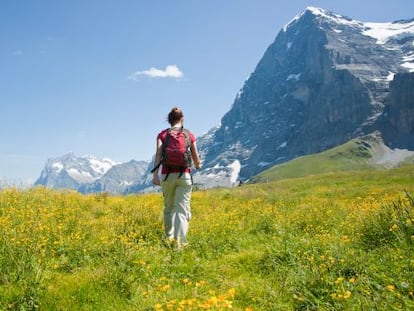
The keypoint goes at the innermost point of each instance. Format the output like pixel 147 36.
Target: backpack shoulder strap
pixel 164 145
pixel 187 137
pixel 167 139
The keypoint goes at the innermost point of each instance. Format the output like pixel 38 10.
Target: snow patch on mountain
pixel 408 62
pixel 235 170
pixel 58 167
pixel 293 77
pixel 80 176
pixel 101 166
pixel 384 32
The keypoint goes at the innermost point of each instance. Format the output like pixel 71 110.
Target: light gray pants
pixel 177 212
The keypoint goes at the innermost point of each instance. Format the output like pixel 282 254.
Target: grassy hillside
pixel 340 241
pixel 365 153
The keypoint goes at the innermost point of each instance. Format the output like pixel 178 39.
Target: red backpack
pixel 176 151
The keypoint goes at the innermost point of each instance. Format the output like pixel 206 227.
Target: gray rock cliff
pixel 397 121
pixel 323 81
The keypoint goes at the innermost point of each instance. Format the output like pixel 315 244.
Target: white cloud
pixel 171 71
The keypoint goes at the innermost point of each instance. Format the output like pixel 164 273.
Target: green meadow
pixel 332 241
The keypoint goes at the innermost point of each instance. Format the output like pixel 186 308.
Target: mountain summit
pixel 70 171
pixel 323 81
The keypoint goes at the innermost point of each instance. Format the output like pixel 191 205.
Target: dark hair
pixel 175 116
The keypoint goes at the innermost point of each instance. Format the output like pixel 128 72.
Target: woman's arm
pixel 194 154
pixel 157 160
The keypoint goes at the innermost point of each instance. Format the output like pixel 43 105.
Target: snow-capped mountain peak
pixel 318 12
pixel 393 38
pixel 91 174
pixel 382 32
pixel 325 79
pixel 70 169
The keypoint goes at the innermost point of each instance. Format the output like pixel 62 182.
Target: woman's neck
pixel 179 124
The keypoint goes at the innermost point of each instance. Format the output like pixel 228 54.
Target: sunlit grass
pixel 326 242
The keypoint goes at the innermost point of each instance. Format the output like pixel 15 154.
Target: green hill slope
pixel 365 153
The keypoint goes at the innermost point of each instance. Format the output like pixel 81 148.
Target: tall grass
pixel 326 242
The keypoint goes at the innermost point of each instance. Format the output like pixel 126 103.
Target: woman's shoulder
pixel 162 134
pixel 192 136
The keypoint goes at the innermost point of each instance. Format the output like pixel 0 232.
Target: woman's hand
pixel 156 180
pixel 197 165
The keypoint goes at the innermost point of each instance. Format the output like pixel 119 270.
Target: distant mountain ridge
pixel 90 174
pixel 325 80
pixel 119 178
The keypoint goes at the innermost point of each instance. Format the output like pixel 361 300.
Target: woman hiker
pixel 176 149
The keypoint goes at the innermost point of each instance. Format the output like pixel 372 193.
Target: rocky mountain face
pixel 119 178
pixel 323 81
pixel 397 121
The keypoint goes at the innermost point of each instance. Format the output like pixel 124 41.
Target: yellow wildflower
pixel 231 292
pixel 347 294
pixel 394 227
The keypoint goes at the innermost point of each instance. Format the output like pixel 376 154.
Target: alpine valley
pixel 325 80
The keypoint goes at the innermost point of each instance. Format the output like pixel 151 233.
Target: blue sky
pixel 99 76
